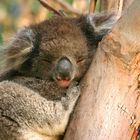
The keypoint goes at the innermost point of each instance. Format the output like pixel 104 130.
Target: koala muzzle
pixel 63 72
pixel 63 69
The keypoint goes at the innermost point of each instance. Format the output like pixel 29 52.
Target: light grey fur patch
pixel 14 54
pixel 100 25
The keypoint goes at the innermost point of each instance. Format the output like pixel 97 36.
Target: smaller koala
pixel 39 72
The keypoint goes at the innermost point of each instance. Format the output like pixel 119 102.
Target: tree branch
pixel 92 6
pixel 46 5
pixel 68 7
pixel 109 106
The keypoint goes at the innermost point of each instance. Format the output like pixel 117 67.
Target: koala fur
pixel 39 71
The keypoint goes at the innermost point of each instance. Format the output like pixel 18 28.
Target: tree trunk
pixel 115 5
pixel 108 5
pixel 127 3
pixel 108 109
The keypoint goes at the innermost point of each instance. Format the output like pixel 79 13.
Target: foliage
pixel 18 13
pixel 1 37
pixel 69 1
pixel 97 6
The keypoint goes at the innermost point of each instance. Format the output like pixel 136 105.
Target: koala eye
pixel 80 60
pixel 47 60
pixel 46 56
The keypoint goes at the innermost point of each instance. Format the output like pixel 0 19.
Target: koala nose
pixel 63 69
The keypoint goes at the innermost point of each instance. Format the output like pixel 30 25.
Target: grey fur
pixel 23 111
pixel 32 105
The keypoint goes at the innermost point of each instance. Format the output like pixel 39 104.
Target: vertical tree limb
pixel 115 5
pixel 109 5
pixel 127 3
pixel 92 6
pixel 109 106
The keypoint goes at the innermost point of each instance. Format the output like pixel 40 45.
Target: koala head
pixel 58 49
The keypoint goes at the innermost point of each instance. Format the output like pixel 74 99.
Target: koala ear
pixel 18 50
pixel 21 45
pixel 96 26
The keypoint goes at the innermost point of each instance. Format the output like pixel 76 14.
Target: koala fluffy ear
pixel 96 26
pixel 18 50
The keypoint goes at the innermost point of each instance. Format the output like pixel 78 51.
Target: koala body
pixel 39 72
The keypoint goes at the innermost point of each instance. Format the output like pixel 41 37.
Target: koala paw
pixel 73 90
pixel 72 95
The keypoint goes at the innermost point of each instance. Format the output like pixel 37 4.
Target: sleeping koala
pixel 39 71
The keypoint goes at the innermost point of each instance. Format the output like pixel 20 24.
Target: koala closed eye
pixel 81 59
pixel 46 60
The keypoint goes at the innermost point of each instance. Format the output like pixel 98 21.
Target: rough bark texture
pixel 127 3
pixel 115 5
pixel 108 5
pixel 108 109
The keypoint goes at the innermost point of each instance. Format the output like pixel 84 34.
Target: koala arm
pixel 24 112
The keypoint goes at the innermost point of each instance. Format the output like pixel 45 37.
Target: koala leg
pixel 25 115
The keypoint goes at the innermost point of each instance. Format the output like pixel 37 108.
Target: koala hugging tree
pixel 108 106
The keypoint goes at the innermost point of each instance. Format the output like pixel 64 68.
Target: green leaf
pixel 69 1
pixel 35 6
pixel 97 8
pixel 50 14
pixel 1 37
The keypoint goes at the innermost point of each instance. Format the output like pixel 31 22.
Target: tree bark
pixel 109 5
pixel 115 5
pixel 127 3
pixel 108 109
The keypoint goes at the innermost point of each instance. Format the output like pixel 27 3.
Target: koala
pixel 40 70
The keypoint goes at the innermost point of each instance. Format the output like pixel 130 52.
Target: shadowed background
pixel 18 13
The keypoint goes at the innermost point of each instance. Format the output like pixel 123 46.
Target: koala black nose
pixel 63 69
